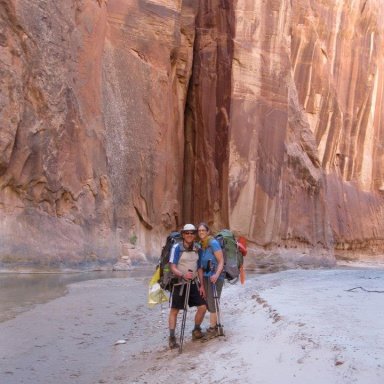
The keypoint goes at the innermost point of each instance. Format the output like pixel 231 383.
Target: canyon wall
pixel 55 197
pixel 121 120
pixel 314 75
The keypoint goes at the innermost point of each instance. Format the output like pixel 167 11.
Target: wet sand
pixel 292 327
pixel 71 339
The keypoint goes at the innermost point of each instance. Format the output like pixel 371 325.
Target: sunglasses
pixel 189 233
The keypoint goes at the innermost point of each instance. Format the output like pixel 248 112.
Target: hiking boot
pixel 173 343
pixel 197 334
pixel 211 333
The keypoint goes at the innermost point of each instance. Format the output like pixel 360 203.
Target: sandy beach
pixel 296 326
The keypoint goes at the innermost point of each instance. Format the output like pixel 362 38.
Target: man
pixel 184 262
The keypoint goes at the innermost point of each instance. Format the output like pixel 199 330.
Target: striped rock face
pixel 309 94
pixel 122 120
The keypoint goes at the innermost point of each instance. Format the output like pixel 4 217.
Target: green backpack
pixel 233 258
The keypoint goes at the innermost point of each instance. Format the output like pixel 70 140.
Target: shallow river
pixel 20 292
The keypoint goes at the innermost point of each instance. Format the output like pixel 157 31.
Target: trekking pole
pixel 186 299
pixel 220 330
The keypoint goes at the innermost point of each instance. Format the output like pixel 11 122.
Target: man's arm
pixel 175 270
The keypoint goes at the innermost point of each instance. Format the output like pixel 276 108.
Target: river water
pixel 20 292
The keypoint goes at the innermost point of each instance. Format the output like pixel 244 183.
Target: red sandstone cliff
pixel 120 120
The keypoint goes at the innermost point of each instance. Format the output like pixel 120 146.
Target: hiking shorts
pixel 195 300
pixel 209 292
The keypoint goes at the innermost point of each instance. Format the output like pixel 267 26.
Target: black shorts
pixel 195 300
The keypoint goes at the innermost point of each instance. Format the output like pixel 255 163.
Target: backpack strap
pixel 195 247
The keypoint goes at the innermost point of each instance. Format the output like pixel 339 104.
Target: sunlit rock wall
pixel 92 136
pixel 257 165
pixel 277 185
pixel 147 64
pixel 55 191
pixel 337 56
pixel 301 171
pixel 120 120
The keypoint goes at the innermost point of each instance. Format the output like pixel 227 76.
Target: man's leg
pixel 172 318
pixel 172 327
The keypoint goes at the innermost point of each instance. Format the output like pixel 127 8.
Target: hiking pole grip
pixel 210 266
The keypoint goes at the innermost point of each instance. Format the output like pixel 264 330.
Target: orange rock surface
pixel 122 120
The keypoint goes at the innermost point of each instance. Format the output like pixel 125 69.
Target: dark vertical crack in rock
pixel 207 116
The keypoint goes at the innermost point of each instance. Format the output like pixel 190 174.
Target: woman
pixel 212 262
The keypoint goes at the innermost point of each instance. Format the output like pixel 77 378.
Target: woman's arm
pixel 220 265
pixel 200 273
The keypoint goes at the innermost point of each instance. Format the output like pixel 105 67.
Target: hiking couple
pixel 201 264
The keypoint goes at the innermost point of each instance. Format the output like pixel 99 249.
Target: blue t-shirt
pixel 208 255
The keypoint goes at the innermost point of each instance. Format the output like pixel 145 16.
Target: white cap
pixel 188 227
